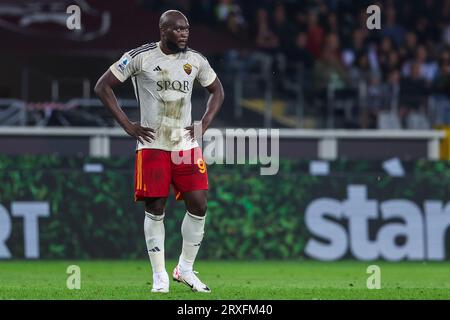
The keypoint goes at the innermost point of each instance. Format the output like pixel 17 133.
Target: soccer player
pixel 163 75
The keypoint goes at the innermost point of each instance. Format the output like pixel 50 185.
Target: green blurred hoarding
pixel 78 208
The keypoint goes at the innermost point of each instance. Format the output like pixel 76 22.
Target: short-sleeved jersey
pixel 163 88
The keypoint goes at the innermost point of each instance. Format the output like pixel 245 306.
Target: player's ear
pixel 163 26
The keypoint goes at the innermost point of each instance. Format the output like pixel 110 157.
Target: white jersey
pixel 163 87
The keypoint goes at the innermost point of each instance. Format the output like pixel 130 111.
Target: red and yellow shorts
pixel 156 170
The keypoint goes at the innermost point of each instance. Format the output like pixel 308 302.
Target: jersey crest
pixel 187 68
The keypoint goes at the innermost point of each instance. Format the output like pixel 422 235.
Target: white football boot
pixel 160 282
pixel 190 279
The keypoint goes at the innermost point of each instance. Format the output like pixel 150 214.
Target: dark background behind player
pixel 298 51
pixel 290 65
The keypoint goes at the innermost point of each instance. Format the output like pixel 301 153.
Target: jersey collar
pixel 172 56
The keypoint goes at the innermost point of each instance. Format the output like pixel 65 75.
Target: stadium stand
pixel 315 61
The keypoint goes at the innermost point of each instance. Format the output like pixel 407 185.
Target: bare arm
pixel 213 105
pixel 215 100
pixel 104 90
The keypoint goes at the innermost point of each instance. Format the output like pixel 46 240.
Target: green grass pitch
pixel 269 280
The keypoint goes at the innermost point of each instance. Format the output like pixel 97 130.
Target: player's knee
pixel 157 211
pixel 198 209
pixel 156 208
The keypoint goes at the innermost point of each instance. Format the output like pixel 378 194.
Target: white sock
pixel 154 238
pixel 192 230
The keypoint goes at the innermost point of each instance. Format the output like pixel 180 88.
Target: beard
pixel 174 47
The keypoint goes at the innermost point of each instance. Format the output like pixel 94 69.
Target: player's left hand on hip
pixel 195 130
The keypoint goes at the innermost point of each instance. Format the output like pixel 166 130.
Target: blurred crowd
pixel 403 68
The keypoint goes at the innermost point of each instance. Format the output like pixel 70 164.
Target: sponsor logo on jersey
pixel 176 85
pixel 187 68
pixel 122 65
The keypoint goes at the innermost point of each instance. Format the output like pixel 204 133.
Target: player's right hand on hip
pixel 139 132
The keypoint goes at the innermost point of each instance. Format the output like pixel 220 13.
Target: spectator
pixel 356 48
pixel 391 28
pixel 427 69
pixel 298 53
pixel 384 51
pixel 266 39
pixel 375 99
pixel 236 26
pixel 441 92
pixel 360 72
pixel 392 63
pixel 283 28
pixel 329 69
pixel 315 34
pixel 332 23
pixel 223 9
pixel 392 90
pixel 413 90
pixel 407 51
